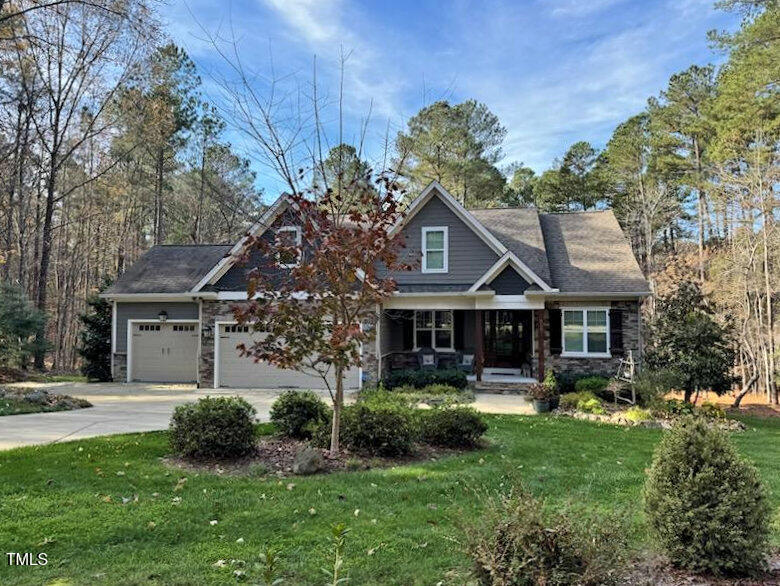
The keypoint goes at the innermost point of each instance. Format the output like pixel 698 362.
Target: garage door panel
pixel 243 372
pixel 164 352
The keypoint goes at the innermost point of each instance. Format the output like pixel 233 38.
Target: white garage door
pixel 243 372
pixel 164 352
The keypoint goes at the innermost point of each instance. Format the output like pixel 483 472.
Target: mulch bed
pixel 653 569
pixel 275 455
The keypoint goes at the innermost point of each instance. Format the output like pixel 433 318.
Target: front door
pixel 507 335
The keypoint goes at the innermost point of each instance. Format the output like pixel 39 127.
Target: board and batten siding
pixel 469 255
pixel 148 310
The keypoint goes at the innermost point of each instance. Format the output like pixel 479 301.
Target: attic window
pixel 435 249
pixel 289 236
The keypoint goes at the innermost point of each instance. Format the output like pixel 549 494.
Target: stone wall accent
pixel 211 311
pixel 602 366
pixel 120 366
pixel 371 352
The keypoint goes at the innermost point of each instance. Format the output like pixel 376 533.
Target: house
pixel 518 290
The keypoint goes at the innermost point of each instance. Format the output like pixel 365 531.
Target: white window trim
pixel 451 347
pixel 297 230
pixel 425 230
pixel 585 354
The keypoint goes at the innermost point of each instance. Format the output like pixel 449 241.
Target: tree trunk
pixel 43 272
pixel 338 403
pixel 701 208
pixel 159 222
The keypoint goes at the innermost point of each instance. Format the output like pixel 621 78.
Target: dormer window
pixel 289 236
pixel 435 249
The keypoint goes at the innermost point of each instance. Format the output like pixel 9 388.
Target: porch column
pixel 479 355
pixel 539 314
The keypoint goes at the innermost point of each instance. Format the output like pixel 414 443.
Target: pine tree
pixel 95 346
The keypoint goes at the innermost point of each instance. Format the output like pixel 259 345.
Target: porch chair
pixel 466 363
pixel 427 359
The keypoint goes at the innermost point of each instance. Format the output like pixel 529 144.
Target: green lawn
pixel 55 499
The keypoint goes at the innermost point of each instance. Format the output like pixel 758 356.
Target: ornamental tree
pixel 686 338
pixel 315 301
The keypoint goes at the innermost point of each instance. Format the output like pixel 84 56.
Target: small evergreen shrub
pixel 516 543
pixel 213 427
pixel 95 340
pixel 676 407
pixel 571 400
pixel 375 429
pixel 550 382
pixel 712 411
pixel 593 384
pixel 297 414
pixel 422 378
pixel 706 506
pixel 452 427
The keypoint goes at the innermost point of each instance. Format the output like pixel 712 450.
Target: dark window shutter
pixel 408 322
pixel 616 331
pixel 457 324
pixel 556 342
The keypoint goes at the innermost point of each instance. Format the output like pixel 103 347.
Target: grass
pixel 67 500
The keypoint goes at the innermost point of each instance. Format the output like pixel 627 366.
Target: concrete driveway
pixel 129 408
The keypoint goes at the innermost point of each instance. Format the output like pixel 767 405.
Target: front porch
pixel 493 346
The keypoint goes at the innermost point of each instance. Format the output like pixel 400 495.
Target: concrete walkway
pixel 129 408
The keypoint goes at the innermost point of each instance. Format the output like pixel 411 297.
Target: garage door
pixel 164 352
pixel 235 371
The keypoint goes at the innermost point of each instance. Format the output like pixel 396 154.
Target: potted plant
pixel 551 384
pixel 541 397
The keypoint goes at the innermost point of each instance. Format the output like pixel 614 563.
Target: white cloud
pixel 578 8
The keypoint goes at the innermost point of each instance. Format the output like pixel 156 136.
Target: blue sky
pixel 554 71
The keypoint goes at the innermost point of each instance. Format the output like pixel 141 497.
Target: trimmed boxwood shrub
pixel 379 430
pixel 452 427
pixel 422 378
pixel 297 414
pixel 593 384
pixel 213 427
pixel 706 506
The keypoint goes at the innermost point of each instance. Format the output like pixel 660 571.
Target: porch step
pixel 501 388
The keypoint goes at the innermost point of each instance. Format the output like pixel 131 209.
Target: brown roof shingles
pixel 588 252
pixel 169 269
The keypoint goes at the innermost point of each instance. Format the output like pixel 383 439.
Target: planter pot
pixel 541 406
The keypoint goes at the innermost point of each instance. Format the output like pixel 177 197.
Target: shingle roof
pixel 169 269
pixel 518 229
pixel 588 252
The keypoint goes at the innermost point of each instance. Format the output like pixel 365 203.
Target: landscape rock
pixel 38 397
pixel 308 460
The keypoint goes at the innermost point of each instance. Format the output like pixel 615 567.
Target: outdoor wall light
pixel 163 315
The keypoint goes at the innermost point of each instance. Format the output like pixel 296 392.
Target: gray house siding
pixel 509 282
pixel 469 255
pixel 148 310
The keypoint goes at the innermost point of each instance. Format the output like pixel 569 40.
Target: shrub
pixel 541 392
pixel 652 385
pixel 591 406
pixel 213 427
pixel 676 407
pixel 550 382
pixel 422 378
pixel 712 411
pixel 706 506
pixel 298 413
pixel 19 321
pixel 515 542
pixel 594 384
pixel 373 428
pixel 638 414
pixel 571 400
pixel 452 427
